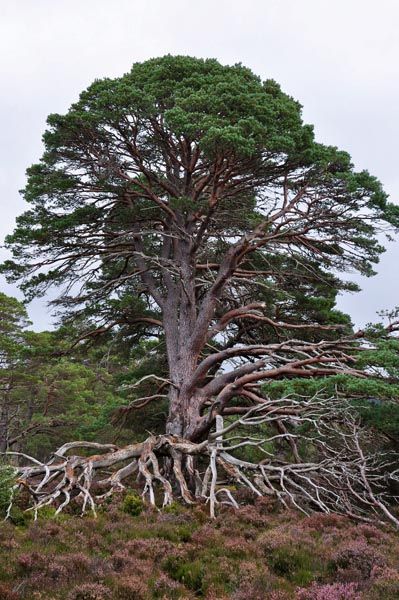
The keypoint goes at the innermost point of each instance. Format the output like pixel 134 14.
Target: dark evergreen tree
pixel 187 202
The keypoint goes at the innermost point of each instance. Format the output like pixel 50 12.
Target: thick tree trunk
pixel 184 416
pixel 174 422
pixel 184 401
pixel 179 318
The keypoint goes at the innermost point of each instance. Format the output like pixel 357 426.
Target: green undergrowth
pixel 132 552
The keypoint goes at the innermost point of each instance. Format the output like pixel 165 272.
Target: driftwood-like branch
pixel 342 479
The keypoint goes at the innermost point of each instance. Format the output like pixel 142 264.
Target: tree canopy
pixel 189 150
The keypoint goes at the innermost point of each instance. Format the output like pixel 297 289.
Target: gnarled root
pixel 342 479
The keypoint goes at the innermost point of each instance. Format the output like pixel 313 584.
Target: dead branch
pixel 342 479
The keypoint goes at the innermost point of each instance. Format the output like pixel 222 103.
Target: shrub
pixel 44 532
pixel 90 591
pixel 130 587
pixel 164 587
pixel 356 556
pixel 56 571
pixel 133 504
pixel 385 584
pixel 334 591
pixel 253 582
pixel 6 593
pixel 147 549
pixel 371 533
pixel 31 561
pixel 286 536
pixel 322 522
pixel 123 562
pixel 237 547
pixel 250 515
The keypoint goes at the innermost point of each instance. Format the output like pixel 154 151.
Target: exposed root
pixel 342 479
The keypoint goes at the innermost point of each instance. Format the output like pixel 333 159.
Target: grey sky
pixel 339 59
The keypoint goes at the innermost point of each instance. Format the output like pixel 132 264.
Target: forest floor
pixel 257 552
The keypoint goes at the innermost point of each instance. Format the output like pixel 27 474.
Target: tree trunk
pixel 179 317
pixel 4 434
pixel 184 402
pixel 184 416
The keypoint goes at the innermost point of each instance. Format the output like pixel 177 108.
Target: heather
pixel 257 552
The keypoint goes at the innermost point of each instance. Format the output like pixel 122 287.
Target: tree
pixel 45 395
pixel 13 321
pixel 187 202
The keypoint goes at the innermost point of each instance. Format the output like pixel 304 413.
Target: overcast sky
pixel 339 58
